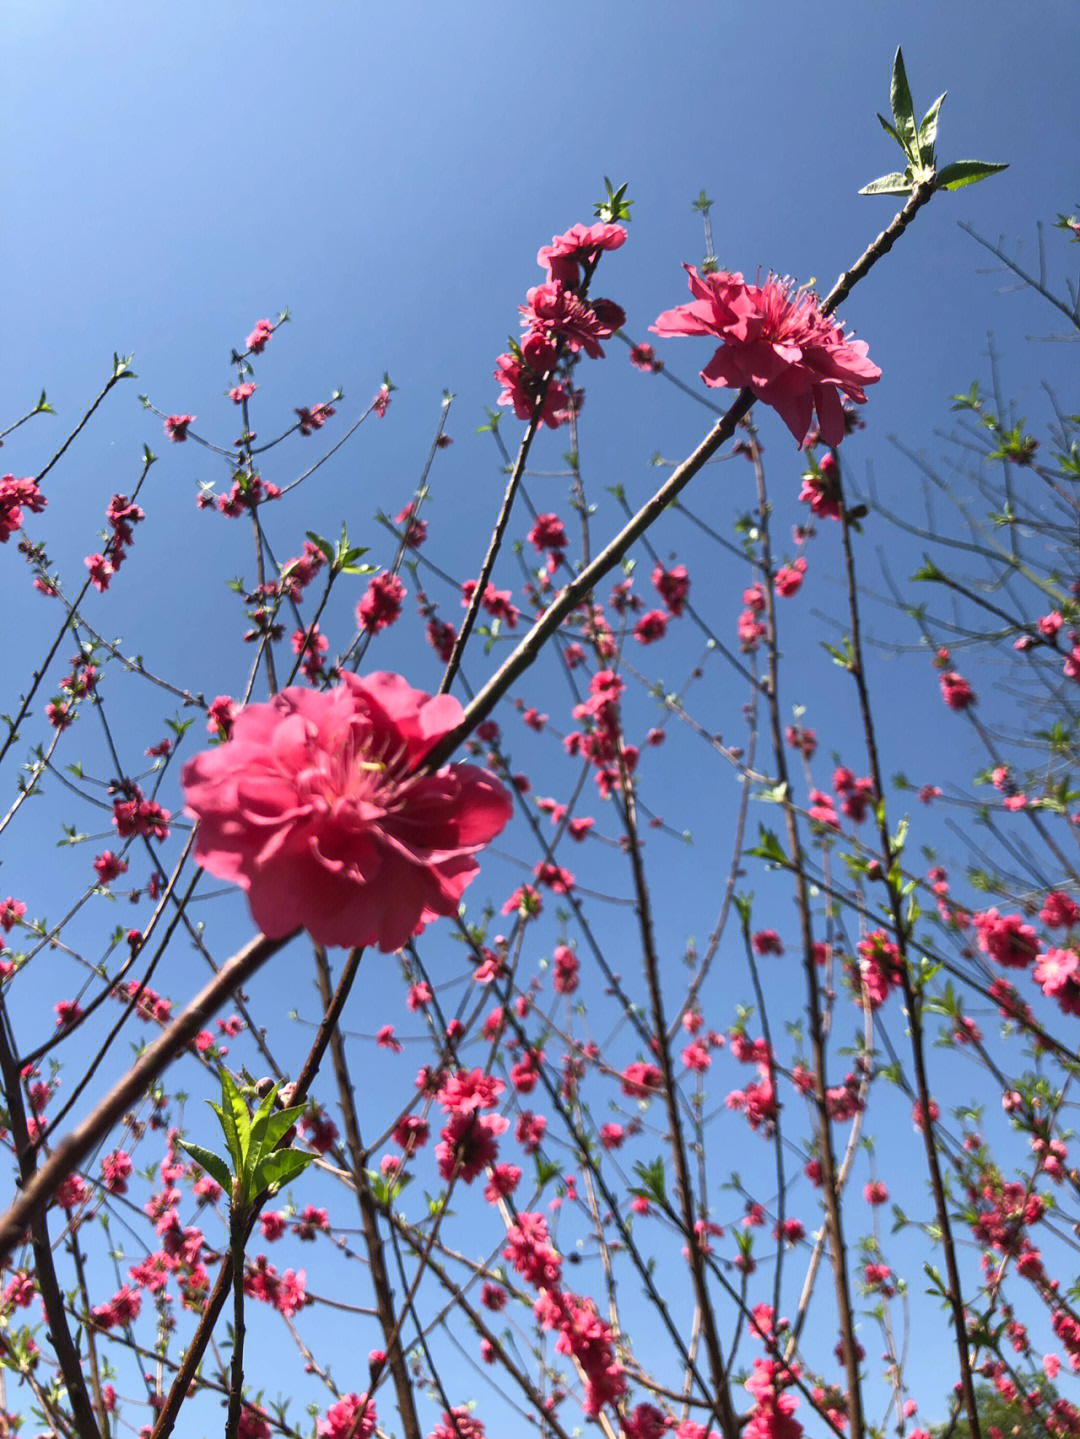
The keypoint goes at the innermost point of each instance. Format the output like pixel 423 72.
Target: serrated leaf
pixel 213 1163
pixel 902 106
pixel 898 183
pixel 279 1168
pixel 235 1121
pixel 928 131
pixel 232 1140
pixel 966 172
pixel 258 1146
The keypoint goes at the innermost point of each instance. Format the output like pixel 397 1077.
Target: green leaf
pixel 902 107
pixel 928 132
pixel 898 183
pixel 890 130
pixel 228 1128
pixel 929 571
pixel 614 208
pixel 275 1130
pixel 43 407
pixel 768 847
pixel 279 1168
pixel 546 1171
pixel 235 1122
pixel 213 1163
pixel 258 1146
pixel 965 172
pixel 652 1181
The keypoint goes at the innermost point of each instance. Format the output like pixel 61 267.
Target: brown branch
pixel 369 1217
pixel 830 1185
pixel 912 999
pixel 74 1147
pixel 722 1406
pixel 45 1271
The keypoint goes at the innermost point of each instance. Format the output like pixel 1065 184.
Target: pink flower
pixel 879 970
pixel 314 418
pixel 566 970
pixel 673 587
pixel 1058 973
pixel 176 426
pixel 415 531
pixel 239 393
pixel 458 1424
pixel 554 312
pixel 11 911
pixel 1059 911
pixel 314 807
pixel 956 691
pixel 789 578
pixel 520 382
pixel 381 605
pixel 101 571
pixel 820 489
pixel 640 1080
pixel 220 716
pixel 778 344
pixel 272 1225
pixel 548 533
pixel 651 627
pixel 580 243
pixel 67 1011
pixel 353 1416
pixel 121 1309
pixel 643 357
pixel 1006 938
pixel 256 341
pixel 14 496
pixel 612 1136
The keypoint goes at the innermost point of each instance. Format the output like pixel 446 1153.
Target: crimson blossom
pixel 778 344
pixel 316 808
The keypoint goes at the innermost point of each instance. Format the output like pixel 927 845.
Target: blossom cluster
pixel 121 514
pixel 15 496
pixel 557 318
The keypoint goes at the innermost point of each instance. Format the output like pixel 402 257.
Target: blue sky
pixel 170 175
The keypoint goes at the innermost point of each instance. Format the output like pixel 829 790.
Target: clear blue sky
pixel 171 174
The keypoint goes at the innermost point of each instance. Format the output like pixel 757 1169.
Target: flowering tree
pixel 544 1225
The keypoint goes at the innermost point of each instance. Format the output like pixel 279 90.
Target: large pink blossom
pixel 778 344
pixel 314 807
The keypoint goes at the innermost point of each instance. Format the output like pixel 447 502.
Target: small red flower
pixel 176 426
